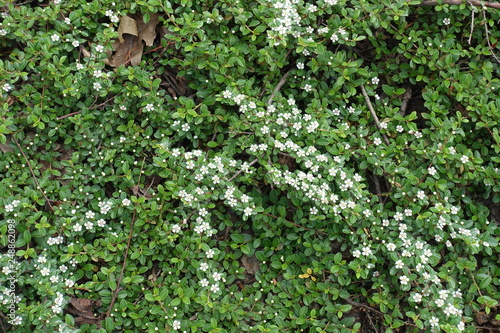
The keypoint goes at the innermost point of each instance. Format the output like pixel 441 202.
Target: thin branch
pixel 33 173
pixel 118 282
pixel 372 111
pixel 239 172
pixel 364 306
pixel 378 188
pixel 472 24
pixel 69 115
pixel 278 87
pixel 495 5
pixel 488 37
pixel 406 99
pixel 130 234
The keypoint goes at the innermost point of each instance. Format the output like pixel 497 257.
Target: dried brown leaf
pixel 132 31
pixel 147 31
pixel 128 25
pixel 251 264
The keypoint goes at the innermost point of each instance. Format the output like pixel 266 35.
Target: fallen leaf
pixel 127 26
pixel 133 34
pixel 251 264
pixel 83 308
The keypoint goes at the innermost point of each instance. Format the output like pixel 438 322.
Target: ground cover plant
pixel 249 166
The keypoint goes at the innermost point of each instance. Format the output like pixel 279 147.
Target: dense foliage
pixel 249 166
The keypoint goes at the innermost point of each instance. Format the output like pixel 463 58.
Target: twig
pixel 488 37
pixel 69 115
pixel 378 188
pixel 239 172
pixel 372 111
pixel 406 99
pixel 472 23
pixel 130 234
pixel 495 5
pixel 295 224
pixel 96 106
pixel 278 87
pixel 33 173
pixel 364 306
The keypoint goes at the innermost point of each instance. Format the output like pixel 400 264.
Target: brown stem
pixel 278 87
pixel 459 2
pixel 33 173
pixel 372 111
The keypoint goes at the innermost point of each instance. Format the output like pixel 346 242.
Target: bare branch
pixel 33 173
pixel 488 37
pixel 372 111
pixel 459 2
pixel 406 99
pixel 278 87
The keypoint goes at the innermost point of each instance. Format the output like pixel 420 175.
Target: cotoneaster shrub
pixel 267 166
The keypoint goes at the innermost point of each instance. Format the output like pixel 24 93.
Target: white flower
pixel 6 87
pixel 203 266
pixel 75 43
pixel 446 21
pixel 404 280
pixel 391 247
pixel 99 48
pixel 399 264
pixel 126 202
pixel 204 283
pixel 176 228
pixel 367 251
pixel 421 195
pixel 431 171
pixel 377 141
pixel 464 159
pixel 215 288
pixel 216 276
pixel 375 80
pixel 3 32
pixel 210 253
pixel 44 271
pixel 176 325
pixel 300 65
pixel 55 37
pixel 417 297
pixel 186 127
pixel 42 260
pixel 97 86
pixel 434 322
pixel 248 211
